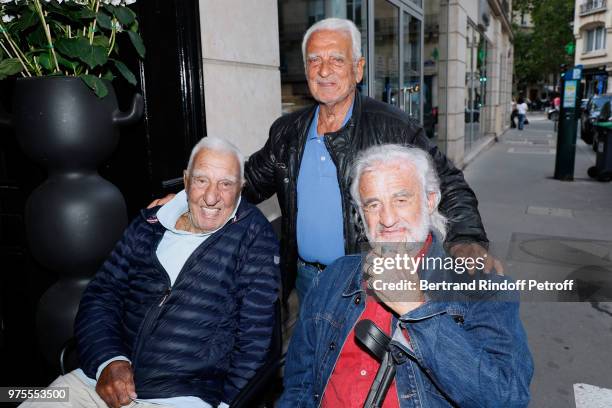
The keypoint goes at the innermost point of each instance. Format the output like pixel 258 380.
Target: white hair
pixel 385 154
pixel 216 144
pixel 335 24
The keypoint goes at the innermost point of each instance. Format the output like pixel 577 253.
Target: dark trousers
pixel 513 115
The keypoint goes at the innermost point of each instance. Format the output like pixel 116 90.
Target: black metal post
pixel 568 126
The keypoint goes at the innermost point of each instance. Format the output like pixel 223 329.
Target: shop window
pixel 595 39
pixel 295 16
pixel 475 85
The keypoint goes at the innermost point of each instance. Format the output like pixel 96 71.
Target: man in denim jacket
pixel 463 348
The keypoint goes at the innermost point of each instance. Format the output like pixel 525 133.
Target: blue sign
pixel 573 73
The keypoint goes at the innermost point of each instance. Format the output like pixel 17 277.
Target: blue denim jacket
pixel 466 353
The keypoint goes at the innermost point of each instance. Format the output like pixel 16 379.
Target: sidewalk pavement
pixel 553 230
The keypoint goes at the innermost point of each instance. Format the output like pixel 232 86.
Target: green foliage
pixel 104 21
pixel 137 43
pixel 539 52
pixel 8 67
pixel 127 74
pixel 81 40
pixel 96 84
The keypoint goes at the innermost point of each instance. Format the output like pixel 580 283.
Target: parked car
pixel 594 112
pixel 583 104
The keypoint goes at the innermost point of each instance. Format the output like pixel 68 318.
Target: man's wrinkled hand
pixel 116 384
pixel 161 201
pixel 474 250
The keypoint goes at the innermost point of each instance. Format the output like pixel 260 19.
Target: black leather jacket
pixel 274 169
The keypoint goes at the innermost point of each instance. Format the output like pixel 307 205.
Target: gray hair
pixel 216 144
pixel 336 24
pixel 392 153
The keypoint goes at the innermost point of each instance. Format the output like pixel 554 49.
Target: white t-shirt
pixel 522 108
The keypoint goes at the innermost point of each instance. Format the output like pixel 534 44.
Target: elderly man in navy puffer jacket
pixel 182 311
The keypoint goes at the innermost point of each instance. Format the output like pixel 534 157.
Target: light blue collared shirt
pixel 320 226
pixel 176 246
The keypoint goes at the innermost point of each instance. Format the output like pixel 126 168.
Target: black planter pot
pixel 74 218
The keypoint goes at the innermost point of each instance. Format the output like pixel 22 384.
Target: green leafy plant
pixel 539 51
pixel 67 37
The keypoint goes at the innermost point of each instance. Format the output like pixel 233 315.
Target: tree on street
pixel 539 52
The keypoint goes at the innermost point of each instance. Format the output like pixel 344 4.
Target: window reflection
pixel 295 16
pixel 412 66
pixel 475 85
pixel 386 52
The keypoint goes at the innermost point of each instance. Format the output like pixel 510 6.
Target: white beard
pixel 414 239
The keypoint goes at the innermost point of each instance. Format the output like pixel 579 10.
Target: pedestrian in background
pixel 513 114
pixel 522 113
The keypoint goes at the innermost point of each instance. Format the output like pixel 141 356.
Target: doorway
pixel 395 61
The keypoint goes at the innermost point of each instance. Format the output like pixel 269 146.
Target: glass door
pixel 396 60
pixel 475 86
pixel 412 68
pixel 386 52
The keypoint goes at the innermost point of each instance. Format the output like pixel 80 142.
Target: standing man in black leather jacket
pixel 346 123
pixel 307 159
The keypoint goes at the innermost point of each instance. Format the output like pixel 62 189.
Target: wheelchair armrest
pixel 257 384
pixel 68 360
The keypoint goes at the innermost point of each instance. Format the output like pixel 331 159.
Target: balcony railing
pixel 591 6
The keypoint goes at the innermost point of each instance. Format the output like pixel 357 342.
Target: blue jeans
pixel 306 274
pixel 521 118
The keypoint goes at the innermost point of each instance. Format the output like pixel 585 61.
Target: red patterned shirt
pixel 356 369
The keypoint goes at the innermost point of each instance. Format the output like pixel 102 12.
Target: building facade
pixel 242 86
pixel 447 63
pixel 593 31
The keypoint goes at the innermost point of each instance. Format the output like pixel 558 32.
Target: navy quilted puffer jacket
pixel 204 336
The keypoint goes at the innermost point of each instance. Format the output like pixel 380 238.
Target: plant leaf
pixel 94 56
pixel 37 37
pixel 72 47
pixel 109 7
pixel 125 71
pixel 104 20
pixel 124 15
pixel 101 41
pixel 45 61
pixel 27 19
pixel 80 48
pixel 10 66
pixel 64 16
pixel 86 13
pixel 96 84
pixel 66 63
pixel 108 75
pixel 137 43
